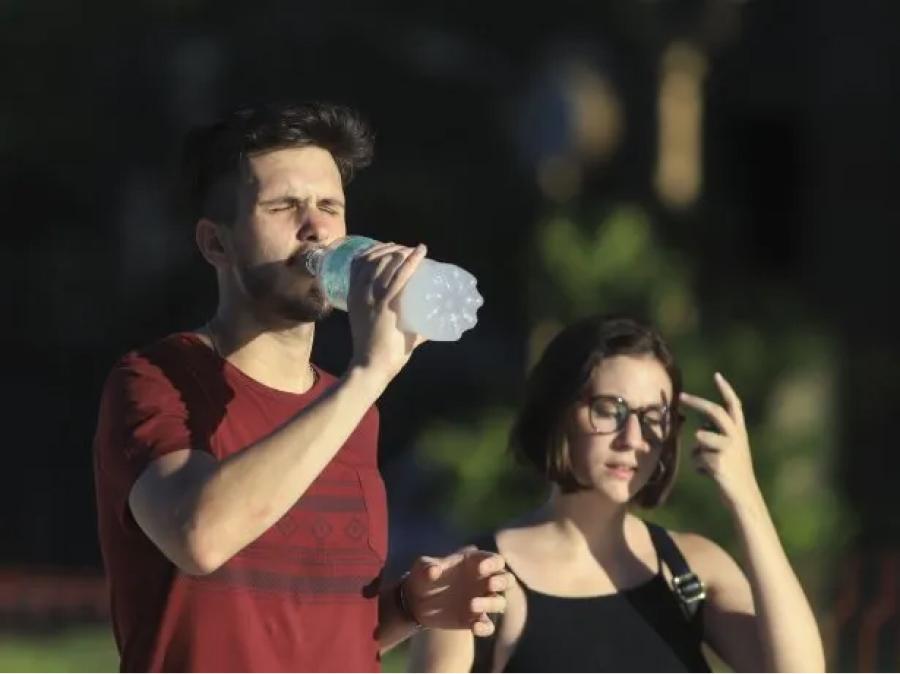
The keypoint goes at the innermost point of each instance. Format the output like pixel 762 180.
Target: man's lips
pixel 297 260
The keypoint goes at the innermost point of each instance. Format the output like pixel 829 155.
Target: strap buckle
pixel 689 588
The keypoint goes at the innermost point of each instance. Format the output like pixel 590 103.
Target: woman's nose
pixel 633 432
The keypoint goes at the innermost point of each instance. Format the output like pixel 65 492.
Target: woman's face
pixel 617 430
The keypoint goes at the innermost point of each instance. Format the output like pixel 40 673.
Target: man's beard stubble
pixel 268 287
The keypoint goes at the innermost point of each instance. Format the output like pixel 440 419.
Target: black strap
pixel 688 589
pixel 687 586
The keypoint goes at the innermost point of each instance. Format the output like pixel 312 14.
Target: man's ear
pixel 209 241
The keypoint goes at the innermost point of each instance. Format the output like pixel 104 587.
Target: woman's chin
pixel 615 492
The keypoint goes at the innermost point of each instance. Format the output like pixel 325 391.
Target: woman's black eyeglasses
pixel 609 414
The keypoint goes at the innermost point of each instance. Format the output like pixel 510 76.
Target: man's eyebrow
pixel 278 199
pixel 290 197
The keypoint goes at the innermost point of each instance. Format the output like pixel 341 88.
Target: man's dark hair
pixel 215 167
pixel 558 381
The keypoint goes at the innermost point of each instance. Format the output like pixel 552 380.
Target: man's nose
pixel 314 227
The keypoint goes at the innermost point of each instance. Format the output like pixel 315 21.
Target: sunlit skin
pixel 268 304
pixel 298 203
pixel 600 461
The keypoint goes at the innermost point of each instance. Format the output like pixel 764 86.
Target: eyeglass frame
pixel 672 417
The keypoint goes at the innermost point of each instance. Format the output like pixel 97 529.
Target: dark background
pixel 801 167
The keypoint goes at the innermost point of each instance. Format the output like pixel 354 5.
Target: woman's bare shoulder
pixel 707 559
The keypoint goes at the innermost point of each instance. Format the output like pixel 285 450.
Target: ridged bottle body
pixel 440 300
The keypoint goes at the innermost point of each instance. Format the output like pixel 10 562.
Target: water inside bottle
pixel 334 277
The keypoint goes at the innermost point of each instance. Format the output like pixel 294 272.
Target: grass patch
pixel 91 648
pixel 88 648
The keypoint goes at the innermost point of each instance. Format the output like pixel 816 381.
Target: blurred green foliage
pixel 88 648
pixel 782 365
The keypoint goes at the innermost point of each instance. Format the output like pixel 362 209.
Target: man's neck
pixel 276 357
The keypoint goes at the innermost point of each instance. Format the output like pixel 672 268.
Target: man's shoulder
pixel 174 349
pixel 147 397
pixel 175 358
pixel 173 344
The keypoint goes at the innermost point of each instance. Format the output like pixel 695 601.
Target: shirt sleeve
pixel 142 417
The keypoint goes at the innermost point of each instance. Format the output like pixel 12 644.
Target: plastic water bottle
pixel 439 301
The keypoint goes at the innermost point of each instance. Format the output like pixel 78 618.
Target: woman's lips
pixel 620 470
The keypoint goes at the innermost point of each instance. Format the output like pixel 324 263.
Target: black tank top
pixel 640 629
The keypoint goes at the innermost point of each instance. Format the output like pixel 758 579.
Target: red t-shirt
pixel 304 595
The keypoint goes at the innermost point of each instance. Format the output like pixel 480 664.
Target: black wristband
pixel 403 604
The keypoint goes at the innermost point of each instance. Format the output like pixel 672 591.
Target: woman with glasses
pixel 598 588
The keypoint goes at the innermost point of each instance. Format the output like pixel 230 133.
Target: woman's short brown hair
pixel 558 380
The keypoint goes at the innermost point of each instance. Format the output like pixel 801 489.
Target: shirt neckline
pixel 232 370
